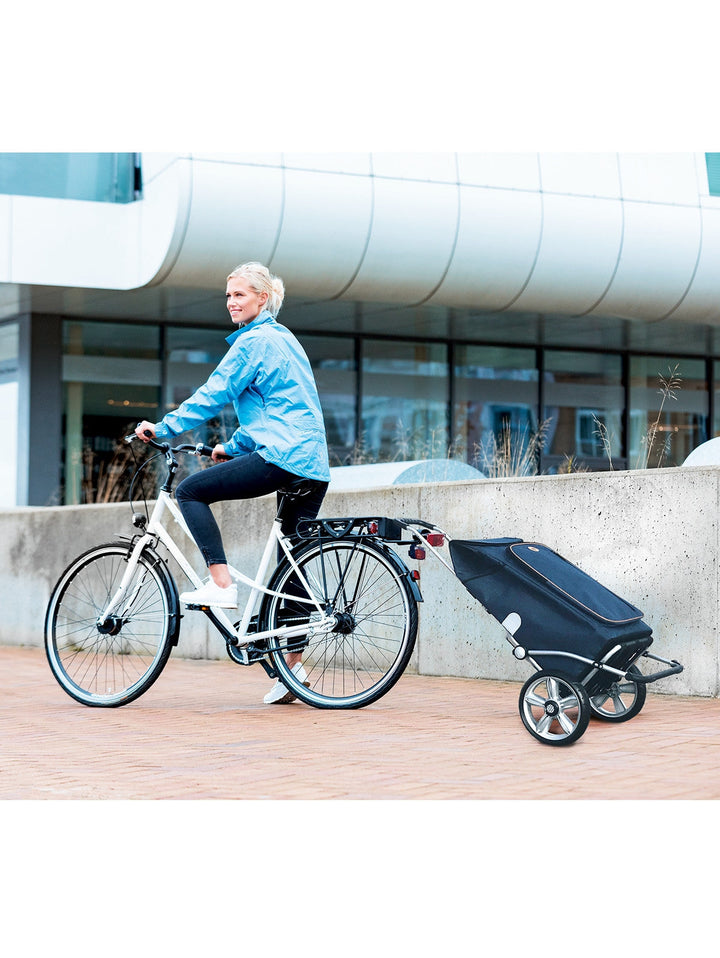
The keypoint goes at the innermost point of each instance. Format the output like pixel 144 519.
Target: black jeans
pixel 244 477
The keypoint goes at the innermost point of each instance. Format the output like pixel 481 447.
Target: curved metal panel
pixel 659 177
pixel 497 243
pixel 702 302
pixel 432 167
pixel 256 158
pixel 357 164
pixel 657 263
pixel 235 216
pixel 165 210
pixel 511 171
pixel 581 174
pixel 412 237
pixel 325 227
pixel 581 242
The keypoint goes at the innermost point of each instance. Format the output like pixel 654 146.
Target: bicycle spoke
pixel 360 657
pixel 111 662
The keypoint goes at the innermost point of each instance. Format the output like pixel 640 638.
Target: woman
pixel 281 434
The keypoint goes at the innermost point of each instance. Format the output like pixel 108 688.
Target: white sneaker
pixel 213 595
pixel 279 694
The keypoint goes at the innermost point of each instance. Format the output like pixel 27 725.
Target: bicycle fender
pixel 157 561
pixel 403 571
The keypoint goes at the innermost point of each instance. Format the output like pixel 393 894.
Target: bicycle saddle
pixel 300 487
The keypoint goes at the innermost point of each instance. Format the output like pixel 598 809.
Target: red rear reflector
pixel 416 552
pixel 435 539
pixel 373 528
pixel 415 574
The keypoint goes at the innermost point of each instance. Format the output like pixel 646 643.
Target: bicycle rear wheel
pixel 361 656
pixel 113 662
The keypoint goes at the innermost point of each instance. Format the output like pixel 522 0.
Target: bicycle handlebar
pixel 198 449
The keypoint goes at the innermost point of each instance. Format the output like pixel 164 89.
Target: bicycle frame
pixel 156 532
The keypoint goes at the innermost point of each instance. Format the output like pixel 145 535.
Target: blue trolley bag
pixel 561 608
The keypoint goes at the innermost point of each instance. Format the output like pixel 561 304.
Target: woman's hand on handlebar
pixel 219 454
pixel 145 430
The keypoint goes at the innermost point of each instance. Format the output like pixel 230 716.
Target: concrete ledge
pixel 651 536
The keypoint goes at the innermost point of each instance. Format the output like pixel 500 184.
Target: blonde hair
pixel 261 280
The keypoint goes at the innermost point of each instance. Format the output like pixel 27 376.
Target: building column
pixel 40 402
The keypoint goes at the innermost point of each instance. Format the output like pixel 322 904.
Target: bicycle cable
pixel 137 473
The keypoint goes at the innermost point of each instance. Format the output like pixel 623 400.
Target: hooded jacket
pixel 267 377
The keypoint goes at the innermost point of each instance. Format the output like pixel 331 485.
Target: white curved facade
pixel 630 235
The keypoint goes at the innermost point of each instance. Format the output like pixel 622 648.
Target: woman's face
pixel 243 303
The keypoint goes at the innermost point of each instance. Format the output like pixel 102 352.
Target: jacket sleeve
pixel 238 444
pixel 233 374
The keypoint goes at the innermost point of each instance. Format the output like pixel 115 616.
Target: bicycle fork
pixel 111 609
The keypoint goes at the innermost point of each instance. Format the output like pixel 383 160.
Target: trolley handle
pixel 675 669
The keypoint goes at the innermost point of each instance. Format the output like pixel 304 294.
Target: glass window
pixel 495 408
pixel 9 351
pixel 111 376
pixel 668 410
pixel 103 177
pixel 404 391
pixel 584 401
pixel 333 363
pixel 712 162
pixel 190 357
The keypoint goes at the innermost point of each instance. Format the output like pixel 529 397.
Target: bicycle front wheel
pixel 111 662
pixel 353 662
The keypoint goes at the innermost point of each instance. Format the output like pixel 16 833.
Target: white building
pixel 441 298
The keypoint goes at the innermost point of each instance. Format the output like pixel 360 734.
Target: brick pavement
pixel 202 732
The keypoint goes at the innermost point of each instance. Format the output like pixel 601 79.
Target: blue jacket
pixel 267 377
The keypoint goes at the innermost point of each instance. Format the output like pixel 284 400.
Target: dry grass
pixel 513 454
pixel 670 385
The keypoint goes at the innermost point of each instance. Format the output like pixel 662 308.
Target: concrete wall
pixel 651 536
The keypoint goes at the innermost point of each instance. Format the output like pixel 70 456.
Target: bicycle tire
pixel 113 663
pixel 376 617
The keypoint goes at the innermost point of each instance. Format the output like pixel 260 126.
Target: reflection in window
pixel 583 408
pixel 191 355
pixel 111 376
pixel 404 401
pixel 496 399
pixel 333 364
pixel 668 410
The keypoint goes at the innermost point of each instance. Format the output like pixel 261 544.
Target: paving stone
pixel 202 732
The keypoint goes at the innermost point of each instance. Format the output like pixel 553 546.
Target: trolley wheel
pixel 621 701
pixel 554 709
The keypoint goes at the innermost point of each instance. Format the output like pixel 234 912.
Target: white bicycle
pixel 339 595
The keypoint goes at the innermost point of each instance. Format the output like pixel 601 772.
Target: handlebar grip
pixel 203 450
pixel 134 435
